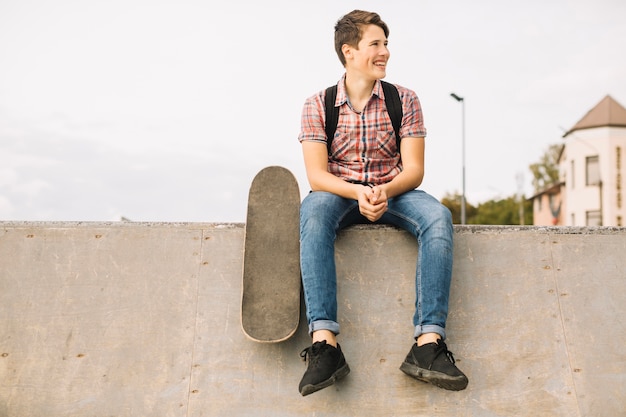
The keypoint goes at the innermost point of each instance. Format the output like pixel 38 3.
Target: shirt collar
pixel 342 95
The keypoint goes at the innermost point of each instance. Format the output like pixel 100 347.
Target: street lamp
pixel 457 98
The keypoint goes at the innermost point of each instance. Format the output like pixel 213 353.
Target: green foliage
pixel 503 212
pixel 453 203
pixel 546 170
pixel 492 212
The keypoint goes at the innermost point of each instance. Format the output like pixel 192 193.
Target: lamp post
pixel 462 100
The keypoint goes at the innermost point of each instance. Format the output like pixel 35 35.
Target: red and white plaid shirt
pixel 364 147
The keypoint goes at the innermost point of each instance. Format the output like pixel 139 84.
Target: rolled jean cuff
pixel 430 328
pixel 329 325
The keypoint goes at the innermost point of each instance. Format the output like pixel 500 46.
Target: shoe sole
pixel 339 373
pixel 438 379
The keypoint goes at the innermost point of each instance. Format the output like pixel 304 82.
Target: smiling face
pixel 369 58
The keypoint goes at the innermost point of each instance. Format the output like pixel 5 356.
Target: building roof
pixel 552 189
pixel 607 113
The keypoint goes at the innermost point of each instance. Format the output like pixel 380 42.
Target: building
pixel 591 169
pixel 547 206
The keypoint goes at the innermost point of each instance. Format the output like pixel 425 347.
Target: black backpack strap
pixel 332 115
pixel 394 108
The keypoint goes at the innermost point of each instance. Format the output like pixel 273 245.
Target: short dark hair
pixel 349 29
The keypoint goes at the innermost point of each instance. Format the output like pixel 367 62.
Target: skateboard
pixel 270 304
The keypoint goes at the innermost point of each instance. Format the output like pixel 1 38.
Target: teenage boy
pixel 364 177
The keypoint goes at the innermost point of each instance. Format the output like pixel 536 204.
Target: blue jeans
pixel 323 215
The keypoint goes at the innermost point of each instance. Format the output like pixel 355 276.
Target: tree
pixel 453 203
pixel 546 170
pixel 503 212
pixel 492 212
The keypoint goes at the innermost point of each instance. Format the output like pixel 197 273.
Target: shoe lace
pixel 312 353
pixel 443 349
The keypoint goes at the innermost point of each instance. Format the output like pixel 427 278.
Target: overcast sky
pixel 165 110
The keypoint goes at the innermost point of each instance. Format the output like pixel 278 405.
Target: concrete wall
pixel 127 319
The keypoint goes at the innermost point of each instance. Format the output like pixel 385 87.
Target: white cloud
pixel 8 177
pixel 6 208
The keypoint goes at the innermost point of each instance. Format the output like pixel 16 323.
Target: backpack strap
pixel 392 101
pixel 394 108
pixel 332 115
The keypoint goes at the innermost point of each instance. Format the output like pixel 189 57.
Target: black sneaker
pixel 434 363
pixel 326 365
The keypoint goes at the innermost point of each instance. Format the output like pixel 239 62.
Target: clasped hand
pixel 372 202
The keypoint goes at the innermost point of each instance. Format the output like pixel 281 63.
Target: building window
pixel 594 218
pixel 593 170
pixel 619 221
pixel 572 176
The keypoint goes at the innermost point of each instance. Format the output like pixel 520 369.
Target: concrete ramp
pixel 138 319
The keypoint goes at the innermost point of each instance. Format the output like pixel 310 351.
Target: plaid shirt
pixel 364 146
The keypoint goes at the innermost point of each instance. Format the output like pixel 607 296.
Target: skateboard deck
pixel 270 305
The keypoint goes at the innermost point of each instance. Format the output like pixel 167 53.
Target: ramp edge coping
pixel 459 229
